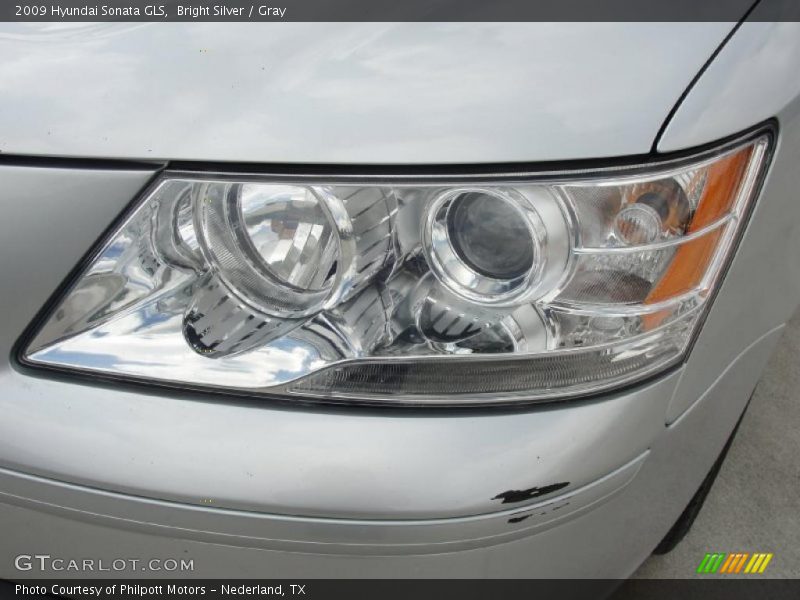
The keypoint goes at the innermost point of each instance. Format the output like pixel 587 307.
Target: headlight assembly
pixel 473 290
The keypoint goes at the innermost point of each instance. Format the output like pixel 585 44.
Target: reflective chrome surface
pixel 347 292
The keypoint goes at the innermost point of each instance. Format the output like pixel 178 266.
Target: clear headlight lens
pixel 512 289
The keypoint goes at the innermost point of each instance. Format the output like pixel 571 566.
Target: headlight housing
pixel 422 290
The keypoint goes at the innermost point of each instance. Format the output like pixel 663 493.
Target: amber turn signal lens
pixel 691 261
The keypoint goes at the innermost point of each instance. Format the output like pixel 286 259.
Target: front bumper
pixel 602 530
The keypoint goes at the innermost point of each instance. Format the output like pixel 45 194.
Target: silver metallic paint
pixel 761 290
pixel 406 93
pixel 607 542
pixel 753 78
pixel 325 536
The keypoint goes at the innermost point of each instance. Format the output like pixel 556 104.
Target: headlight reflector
pixel 520 288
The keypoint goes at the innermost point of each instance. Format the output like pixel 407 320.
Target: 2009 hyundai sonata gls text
pixel 386 300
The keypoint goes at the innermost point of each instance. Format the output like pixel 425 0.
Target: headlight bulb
pixel 277 254
pixel 291 234
pixel 654 211
pixel 637 224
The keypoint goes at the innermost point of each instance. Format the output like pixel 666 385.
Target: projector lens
pixel 490 236
pixel 490 246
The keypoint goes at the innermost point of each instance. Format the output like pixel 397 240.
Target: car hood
pixel 369 93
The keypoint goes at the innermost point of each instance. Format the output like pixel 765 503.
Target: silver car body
pixel 88 114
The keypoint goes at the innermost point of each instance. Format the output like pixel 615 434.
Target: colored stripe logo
pixel 734 563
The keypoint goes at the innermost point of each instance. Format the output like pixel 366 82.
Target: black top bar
pixel 396 10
